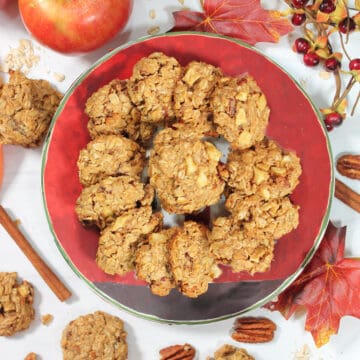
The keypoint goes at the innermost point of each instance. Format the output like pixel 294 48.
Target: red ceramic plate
pixel 294 124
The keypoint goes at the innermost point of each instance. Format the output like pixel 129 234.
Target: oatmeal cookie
pixel 242 250
pixel 192 96
pixel 151 87
pixel 111 111
pixel 118 242
pixel 230 352
pixel 152 262
pixel 275 217
pixel 264 169
pixel 101 203
pixel 184 172
pixel 97 336
pixel 26 109
pixel 110 155
pixel 240 111
pixel 16 304
pixel 192 264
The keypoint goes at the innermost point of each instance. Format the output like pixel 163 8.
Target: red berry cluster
pixel 317 49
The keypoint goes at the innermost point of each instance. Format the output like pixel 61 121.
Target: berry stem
pixel 343 46
pixel 350 84
pixel 355 104
pixel 338 85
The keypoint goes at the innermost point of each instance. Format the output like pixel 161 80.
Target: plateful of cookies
pixel 154 141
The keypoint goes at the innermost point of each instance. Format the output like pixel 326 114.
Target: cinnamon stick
pixel 43 269
pixel 347 195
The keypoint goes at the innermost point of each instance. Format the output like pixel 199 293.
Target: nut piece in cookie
pixel 97 336
pixel 119 241
pixel 242 250
pixel 151 87
pixel 192 264
pixel 101 203
pixel 111 111
pixel 192 96
pixel 184 172
pixel 265 169
pixel 16 304
pixel 240 111
pixel 152 262
pixel 110 155
pixel 230 352
pixel 275 217
pixel 26 109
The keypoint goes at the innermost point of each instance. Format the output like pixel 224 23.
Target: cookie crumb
pixel 59 77
pixel 152 14
pixel 303 354
pixel 47 319
pixel 182 2
pixel 30 356
pixel 325 75
pixel 153 30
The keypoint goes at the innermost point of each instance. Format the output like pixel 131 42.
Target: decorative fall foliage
pixel 328 288
pixel 245 20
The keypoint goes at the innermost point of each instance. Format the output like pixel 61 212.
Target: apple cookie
pixel 192 96
pixel 192 264
pixel 97 336
pixel 16 304
pixel 110 155
pixel 26 109
pixel 152 262
pixel 118 242
pixel 264 169
pixel 151 87
pixel 184 172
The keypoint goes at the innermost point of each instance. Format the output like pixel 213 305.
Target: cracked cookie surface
pixel 151 87
pixel 192 264
pixel 110 155
pixel 16 304
pixel 240 111
pixel 97 336
pixel 118 242
pixel 184 172
pixel 26 109
pixel 230 352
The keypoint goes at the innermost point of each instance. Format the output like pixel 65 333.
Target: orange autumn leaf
pixel 328 288
pixel 245 20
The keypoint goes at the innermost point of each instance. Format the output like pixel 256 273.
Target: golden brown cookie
pixel 151 87
pixel 97 336
pixel 16 304
pixel 230 352
pixel 240 111
pixel 192 264
pixel 110 155
pixel 275 217
pixel 101 203
pixel 242 250
pixel 111 111
pixel 265 169
pixel 184 172
pixel 192 96
pixel 26 109
pixel 152 262
pixel 118 242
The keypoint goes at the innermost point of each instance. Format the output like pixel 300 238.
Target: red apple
pixel 74 26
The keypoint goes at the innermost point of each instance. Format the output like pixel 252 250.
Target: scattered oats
pixel 17 222
pixel 325 75
pixel 21 58
pixel 47 319
pixel 59 77
pixel 152 14
pixel 181 2
pixel 303 354
pixel 153 30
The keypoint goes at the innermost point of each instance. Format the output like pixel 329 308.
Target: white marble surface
pixel 21 195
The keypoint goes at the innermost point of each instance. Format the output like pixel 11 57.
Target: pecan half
pixel 253 329
pixel 349 166
pixel 177 352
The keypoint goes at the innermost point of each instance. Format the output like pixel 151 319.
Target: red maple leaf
pixel 328 288
pixel 245 20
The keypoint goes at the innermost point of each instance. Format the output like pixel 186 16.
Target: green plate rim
pixel 109 299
